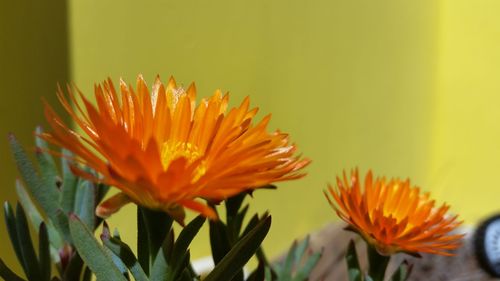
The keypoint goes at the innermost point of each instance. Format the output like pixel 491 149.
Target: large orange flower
pixel 393 216
pixel 165 152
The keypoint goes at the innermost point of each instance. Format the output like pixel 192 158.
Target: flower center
pixel 172 150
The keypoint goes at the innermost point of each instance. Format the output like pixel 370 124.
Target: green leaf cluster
pixel 377 265
pixel 49 193
pixel 297 265
pixel 60 207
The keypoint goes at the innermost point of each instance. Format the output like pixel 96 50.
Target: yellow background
pixel 407 88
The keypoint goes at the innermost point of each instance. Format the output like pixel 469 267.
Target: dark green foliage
pixel 353 268
pixel 61 210
pixel 43 186
pixel 297 265
pixel 403 272
pixel 241 252
pixel 152 228
pixel 98 260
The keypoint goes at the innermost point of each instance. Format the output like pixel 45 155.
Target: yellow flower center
pixel 172 150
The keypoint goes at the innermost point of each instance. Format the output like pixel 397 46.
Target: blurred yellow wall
pixel 465 158
pixel 33 58
pixel 351 82
pixel 404 88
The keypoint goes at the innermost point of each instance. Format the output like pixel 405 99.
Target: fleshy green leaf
pixel 36 217
pixel 268 274
pixel 70 183
pixel 7 274
pixel 92 253
pixel 307 268
pixel 62 222
pixel 46 196
pixel 44 253
pixel 187 235
pixel 242 251
pixel 86 197
pixel 153 227
pixel 28 204
pixel 74 268
pixel 353 269
pixel 377 264
pixel 48 169
pixel 10 220
pixel 219 242
pixel 32 268
pixel 298 264
pixel 258 274
pixel 161 268
pixel 233 204
pixel 180 250
pixel 368 278
pixel 286 269
pixel 403 272
pixel 124 252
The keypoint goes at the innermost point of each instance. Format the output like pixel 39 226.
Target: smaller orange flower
pixel 393 216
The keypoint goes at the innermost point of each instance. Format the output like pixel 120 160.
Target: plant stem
pixel 377 264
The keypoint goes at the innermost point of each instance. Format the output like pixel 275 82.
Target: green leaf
pixel 259 273
pixel 10 221
pixel 142 242
pixel 124 252
pixel 304 272
pixel 403 272
pixel 353 269
pixel 187 235
pixel 36 218
pixel 32 268
pixel 86 197
pixel 118 263
pixel 254 220
pixel 161 269
pixel 87 274
pixel 48 169
pixel 153 227
pixel 74 268
pixel 286 269
pixel 47 196
pixel 7 274
pixel 234 225
pixel 368 278
pixel 185 276
pixel 180 251
pixel 268 274
pixel 219 241
pixel 233 204
pixel 62 222
pixel 44 253
pixel 377 264
pixel 92 253
pixel 28 204
pixel 298 264
pixel 70 183
pixel 242 251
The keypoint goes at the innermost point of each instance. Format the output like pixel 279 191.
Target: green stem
pixel 377 264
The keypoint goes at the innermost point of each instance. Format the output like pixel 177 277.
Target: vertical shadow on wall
pixel 34 57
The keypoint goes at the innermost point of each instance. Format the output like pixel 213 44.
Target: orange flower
pixel 394 216
pixel 164 152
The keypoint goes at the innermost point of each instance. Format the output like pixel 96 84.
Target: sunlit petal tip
pixel 171 83
pixel 112 205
